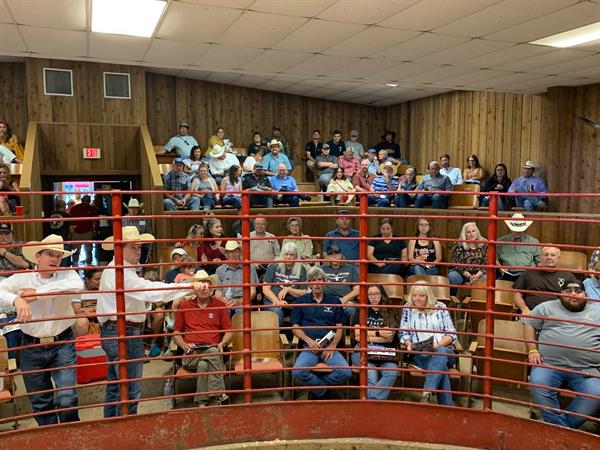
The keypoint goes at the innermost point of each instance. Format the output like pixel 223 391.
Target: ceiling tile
pixel 223 77
pixel 55 42
pixel 273 61
pixel 441 74
pixel 592 71
pixel 316 35
pixel 536 85
pixel 420 46
pixel 4 14
pixel 260 30
pixel 504 80
pixel 554 56
pixel 344 85
pixel 274 85
pixel 372 89
pixel 360 11
pixel 251 81
pixel 179 53
pixel 66 14
pixel 582 13
pixel 240 4
pixel 570 66
pixel 164 71
pixel 366 99
pixel 362 68
pixel 320 65
pixel 305 8
pixel 506 55
pixel 427 14
pixel 10 41
pixel 194 74
pixel 113 47
pixel 298 89
pixel 453 55
pixel 400 72
pixel 502 15
pixel 370 41
pixel 196 23
pixel 323 92
pixel 227 57
pixel 472 77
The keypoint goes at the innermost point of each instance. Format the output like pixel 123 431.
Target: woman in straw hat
pixel 56 350
pixel 135 306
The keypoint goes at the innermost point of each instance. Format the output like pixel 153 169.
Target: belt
pixel 127 323
pixel 63 336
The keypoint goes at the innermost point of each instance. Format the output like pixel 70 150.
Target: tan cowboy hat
pixel 518 223
pixel 133 203
pixel 274 142
pixel 202 275
pixel 385 165
pixel 530 165
pixel 129 234
pixel 217 151
pixel 51 242
pixel 232 245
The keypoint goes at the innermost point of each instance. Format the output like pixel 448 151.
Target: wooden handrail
pixel 28 158
pixel 151 157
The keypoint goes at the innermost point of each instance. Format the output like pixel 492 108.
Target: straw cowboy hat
pixel 232 245
pixel 202 275
pixel 129 234
pixel 217 151
pixel 274 142
pixel 51 242
pixel 518 223
pixel 387 165
pixel 133 203
pixel 530 165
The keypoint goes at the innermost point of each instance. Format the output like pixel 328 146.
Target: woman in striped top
pixel 426 326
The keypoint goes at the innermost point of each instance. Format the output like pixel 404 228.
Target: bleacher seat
pixel 465 201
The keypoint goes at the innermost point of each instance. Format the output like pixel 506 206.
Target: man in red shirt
pixel 83 230
pixel 201 330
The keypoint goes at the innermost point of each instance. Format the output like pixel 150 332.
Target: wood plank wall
pixel 241 111
pixel 13 104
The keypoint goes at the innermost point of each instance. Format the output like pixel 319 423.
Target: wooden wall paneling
pixel 13 101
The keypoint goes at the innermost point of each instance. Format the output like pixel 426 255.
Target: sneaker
pixel 154 351
pixel 426 397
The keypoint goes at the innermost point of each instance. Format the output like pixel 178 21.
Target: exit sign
pixel 91 153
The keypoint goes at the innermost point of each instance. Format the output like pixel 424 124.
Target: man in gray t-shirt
pixel 546 333
pixel 337 271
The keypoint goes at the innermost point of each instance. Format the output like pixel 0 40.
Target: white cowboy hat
pixel 202 275
pixel 217 151
pixel 178 251
pixel 518 223
pixel 274 142
pixel 530 165
pixel 51 242
pixel 129 234
pixel 232 245
pixel 386 165
pixel 133 203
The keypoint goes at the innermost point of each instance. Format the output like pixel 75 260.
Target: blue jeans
pixel 276 309
pixel 51 357
pixel 135 350
pixel 262 201
pixel 207 202
pixel 232 200
pixel 485 202
pixel 576 382
pixel 13 338
pixel 529 203
pixel 383 202
pixel 456 278
pixel 420 270
pixel 292 200
pixel 403 200
pixel 193 203
pixel 439 363
pixel 333 378
pixel 437 201
pixel 378 378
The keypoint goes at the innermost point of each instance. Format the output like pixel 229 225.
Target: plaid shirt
pixel 350 167
pixel 438 324
pixel 177 182
pixel 264 249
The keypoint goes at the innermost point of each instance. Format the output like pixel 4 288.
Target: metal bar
pixel 363 227
pixel 490 301
pixel 246 293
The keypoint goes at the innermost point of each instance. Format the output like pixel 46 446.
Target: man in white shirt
pixel 135 306
pixel 21 290
pixel 182 143
pixel 220 162
pixel 451 172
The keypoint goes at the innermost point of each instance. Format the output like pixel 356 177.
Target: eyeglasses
pixel 573 290
pixel 374 294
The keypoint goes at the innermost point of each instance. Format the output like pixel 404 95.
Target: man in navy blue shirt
pixel 387 143
pixel 344 230
pixel 337 146
pixel 326 312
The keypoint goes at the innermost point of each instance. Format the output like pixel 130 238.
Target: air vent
pixel 116 85
pixel 58 82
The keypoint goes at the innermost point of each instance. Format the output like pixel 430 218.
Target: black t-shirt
pixel 337 149
pixel 315 150
pixel 391 251
pixel 534 280
pixel 251 181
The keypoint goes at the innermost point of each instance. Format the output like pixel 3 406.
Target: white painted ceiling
pixel 336 49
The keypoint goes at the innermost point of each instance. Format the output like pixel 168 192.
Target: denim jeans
pixel 529 203
pixel 292 200
pixel 193 203
pixel 403 200
pixel 135 350
pixel 308 378
pixel 232 200
pixel 440 363
pixel 576 382
pixel 276 309
pixel 13 338
pixel 51 357
pixel 437 201
pixel 455 277
pixel 262 201
pixel 420 270
pixel 484 201
pixel 378 378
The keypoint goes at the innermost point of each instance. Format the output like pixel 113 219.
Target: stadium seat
pixel 465 201
pixel 572 261
pixel 395 292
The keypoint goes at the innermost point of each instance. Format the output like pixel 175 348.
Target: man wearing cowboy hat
pixel 530 183
pixel 387 143
pixel 135 306
pixel 177 180
pixel 433 181
pixel 514 254
pixel 50 338
pixel 387 181
pixel 277 136
pixel 220 161
pixel 202 330
pixel 134 208
pixel 272 159
pixel 231 274
pixel 182 142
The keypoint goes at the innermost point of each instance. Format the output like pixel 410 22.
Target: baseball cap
pixel 183 125
pixel 258 166
pixel 325 145
pixel 354 133
pixel 372 150
pixel 6 227
pixel 573 285
pixel 334 249
pixel 343 211
pixel 178 161
pixel 178 251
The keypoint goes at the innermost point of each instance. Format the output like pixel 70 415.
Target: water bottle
pixel 168 390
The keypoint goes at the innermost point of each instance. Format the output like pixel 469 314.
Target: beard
pixel 577 307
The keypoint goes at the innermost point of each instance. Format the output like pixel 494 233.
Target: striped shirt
pixel 438 324
pixel 379 184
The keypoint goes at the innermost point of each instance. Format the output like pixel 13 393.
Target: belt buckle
pixel 46 340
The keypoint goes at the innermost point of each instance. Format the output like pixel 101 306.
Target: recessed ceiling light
pixel 392 84
pixel 571 38
pixel 128 17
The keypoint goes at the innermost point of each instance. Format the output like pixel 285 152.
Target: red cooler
pixel 89 351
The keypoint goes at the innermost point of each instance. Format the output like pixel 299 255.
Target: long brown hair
pixel 390 316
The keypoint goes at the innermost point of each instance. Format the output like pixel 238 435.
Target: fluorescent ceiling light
pixel 392 84
pixel 571 38
pixel 128 17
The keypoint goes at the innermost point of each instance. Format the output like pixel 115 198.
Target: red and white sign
pixel 91 153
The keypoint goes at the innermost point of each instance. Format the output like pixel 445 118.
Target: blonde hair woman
pixel 436 336
pixel 468 253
